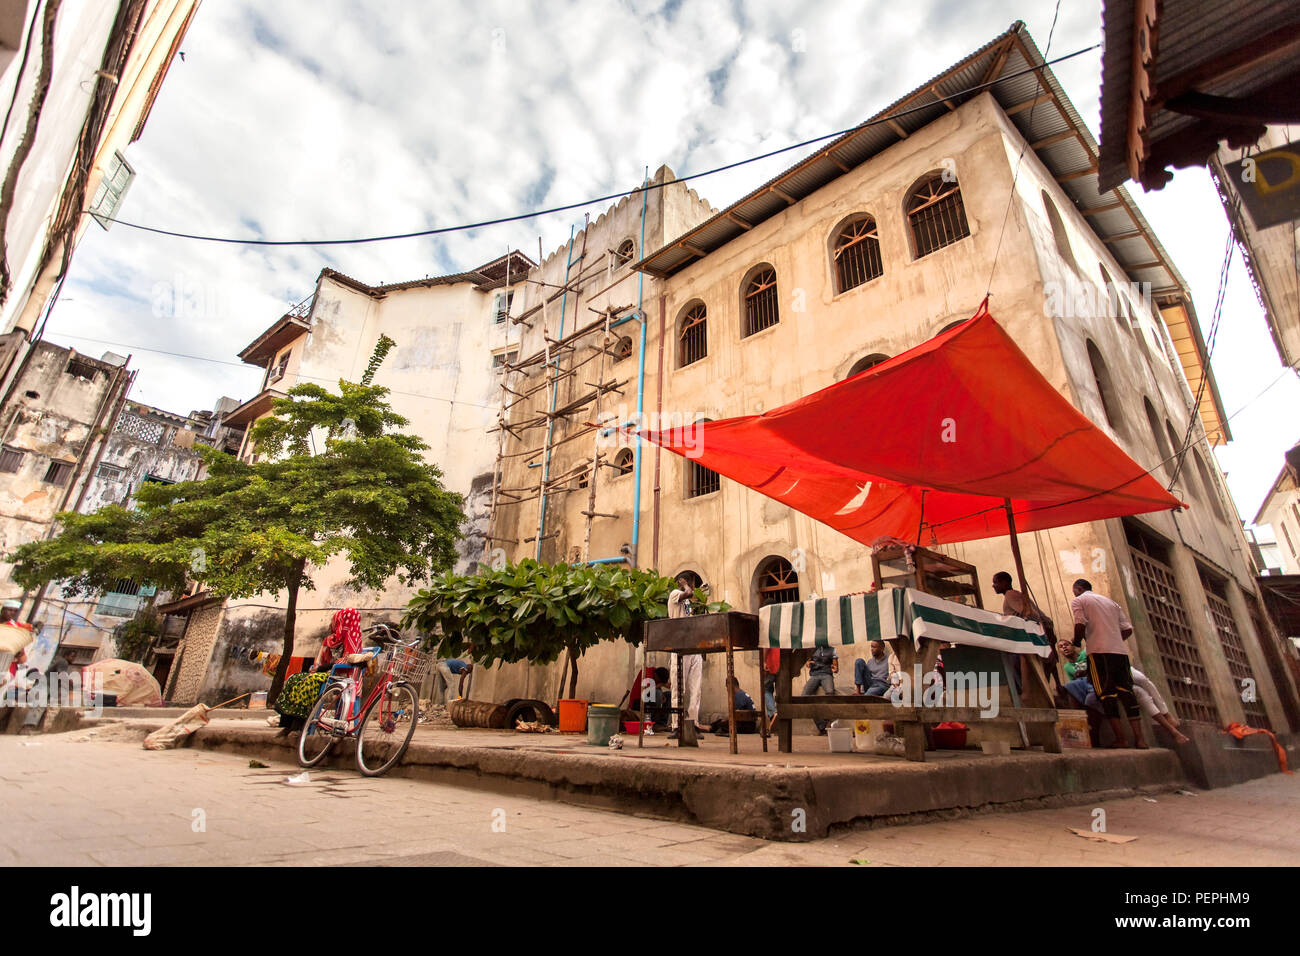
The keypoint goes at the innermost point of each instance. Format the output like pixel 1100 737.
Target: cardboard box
pixel 1072 725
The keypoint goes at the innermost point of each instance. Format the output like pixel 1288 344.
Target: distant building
pixel 454 341
pixel 1281 512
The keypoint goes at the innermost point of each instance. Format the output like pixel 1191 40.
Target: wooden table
pixel 915 625
pixel 706 634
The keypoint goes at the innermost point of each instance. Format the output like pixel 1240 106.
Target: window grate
pixel 58 472
pixel 623 462
pixel 857 254
pixel 1189 685
pixel 760 302
pixel 141 429
pixel 693 341
pixel 11 459
pixel 937 215
pixel 81 369
pixel 109 472
pixel 700 480
pixel 777 583
pixel 1234 651
pixel 624 253
pixel 503 302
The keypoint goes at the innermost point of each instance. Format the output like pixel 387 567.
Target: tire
pixel 532 710
pixel 316 741
pixel 379 747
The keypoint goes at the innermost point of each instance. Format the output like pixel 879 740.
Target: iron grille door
pixel 1234 652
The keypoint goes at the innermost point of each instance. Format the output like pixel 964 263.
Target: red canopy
pixel 928 444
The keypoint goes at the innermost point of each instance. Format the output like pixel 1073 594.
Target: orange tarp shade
pixel 927 445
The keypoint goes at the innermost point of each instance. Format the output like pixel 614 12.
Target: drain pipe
pixel 555 390
pixel 640 388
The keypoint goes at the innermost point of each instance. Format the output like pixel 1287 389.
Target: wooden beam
pixel 699 254
pixel 1090 171
pixel 842 166
pixel 1052 140
pixel 739 222
pixel 940 97
pixel 1153 264
pixel 1029 104
pixel 788 198
pixel 897 128
pixel 1135 234
pixel 1100 209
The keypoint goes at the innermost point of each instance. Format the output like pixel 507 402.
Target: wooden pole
pixel 1015 548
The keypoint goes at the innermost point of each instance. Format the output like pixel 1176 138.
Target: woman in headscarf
pixel 302 690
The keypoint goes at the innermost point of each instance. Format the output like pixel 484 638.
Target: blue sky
pixel 326 118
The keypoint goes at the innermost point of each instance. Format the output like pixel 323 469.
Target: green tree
pixel 534 612
pixel 338 478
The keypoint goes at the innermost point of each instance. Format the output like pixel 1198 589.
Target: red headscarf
pixel 346 637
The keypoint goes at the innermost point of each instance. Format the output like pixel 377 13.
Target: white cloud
pixel 325 118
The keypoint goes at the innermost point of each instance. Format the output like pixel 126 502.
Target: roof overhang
pixel 1185 333
pixel 187 604
pixel 1177 78
pixel 267 345
pixel 254 408
pixel 1011 69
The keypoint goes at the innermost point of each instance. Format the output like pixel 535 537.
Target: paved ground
pixel 69 800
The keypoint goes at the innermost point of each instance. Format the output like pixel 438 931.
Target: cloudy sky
pixel 335 119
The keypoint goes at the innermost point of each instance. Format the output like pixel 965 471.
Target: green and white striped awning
pixel 891 613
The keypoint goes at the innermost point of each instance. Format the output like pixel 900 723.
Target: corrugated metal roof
pixel 1009 67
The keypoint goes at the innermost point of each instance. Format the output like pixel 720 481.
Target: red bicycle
pixel 384 722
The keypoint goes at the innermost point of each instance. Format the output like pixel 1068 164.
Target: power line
pixel 520 217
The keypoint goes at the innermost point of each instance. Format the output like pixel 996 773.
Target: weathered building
pixel 1281 512
pixel 982 181
pixel 453 342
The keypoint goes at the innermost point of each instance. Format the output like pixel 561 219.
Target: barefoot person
pixel 1104 625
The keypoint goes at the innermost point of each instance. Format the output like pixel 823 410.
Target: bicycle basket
pixel 408 664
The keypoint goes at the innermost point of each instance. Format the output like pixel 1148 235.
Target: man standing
pixel 692 665
pixel 871 675
pixel 1016 604
pixel 446 685
pixel 1105 626
pixel 824 665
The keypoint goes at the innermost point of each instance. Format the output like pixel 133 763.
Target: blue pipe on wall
pixel 640 385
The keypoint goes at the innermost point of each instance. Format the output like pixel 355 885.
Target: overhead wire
pixel 567 207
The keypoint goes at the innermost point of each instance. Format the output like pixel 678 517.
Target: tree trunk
pixel 290 616
pixel 573 675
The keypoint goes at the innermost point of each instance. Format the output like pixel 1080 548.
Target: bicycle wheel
pixel 317 740
pixel 386 729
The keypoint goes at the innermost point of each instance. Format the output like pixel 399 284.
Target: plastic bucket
pixel 840 739
pixel 602 723
pixel 573 716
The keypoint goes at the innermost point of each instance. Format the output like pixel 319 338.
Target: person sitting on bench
pixel 746 712
pixel 871 674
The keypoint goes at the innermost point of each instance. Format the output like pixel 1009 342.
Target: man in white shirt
pixel 1104 625
pixel 687 697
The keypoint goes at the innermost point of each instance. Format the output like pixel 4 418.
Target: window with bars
pixel 936 215
pixel 1234 651
pixel 693 335
pixel 109 472
pixel 623 462
pixel 11 459
pixel 1189 684
pixel 623 349
pixel 80 368
pixel 856 252
pixel 777 582
pixel 761 310
pixel 700 480
pixel 58 473
pixel 501 359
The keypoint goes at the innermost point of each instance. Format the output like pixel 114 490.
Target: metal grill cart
pixel 707 634
pixel 929 571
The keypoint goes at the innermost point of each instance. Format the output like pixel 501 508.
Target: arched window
pixel 1112 303
pixel 623 349
pixel 692 334
pixel 700 480
pixel 950 326
pixel 1176 448
pixel 866 362
pixel 1105 388
pixel 856 254
pixel 1058 233
pixel 1162 447
pixel 1211 489
pixel 936 215
pixel 775 582
pixel 625 252
pixel 760 307
pixel 623 462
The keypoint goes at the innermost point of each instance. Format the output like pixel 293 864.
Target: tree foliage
pixel 337 477
pixel 533 612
